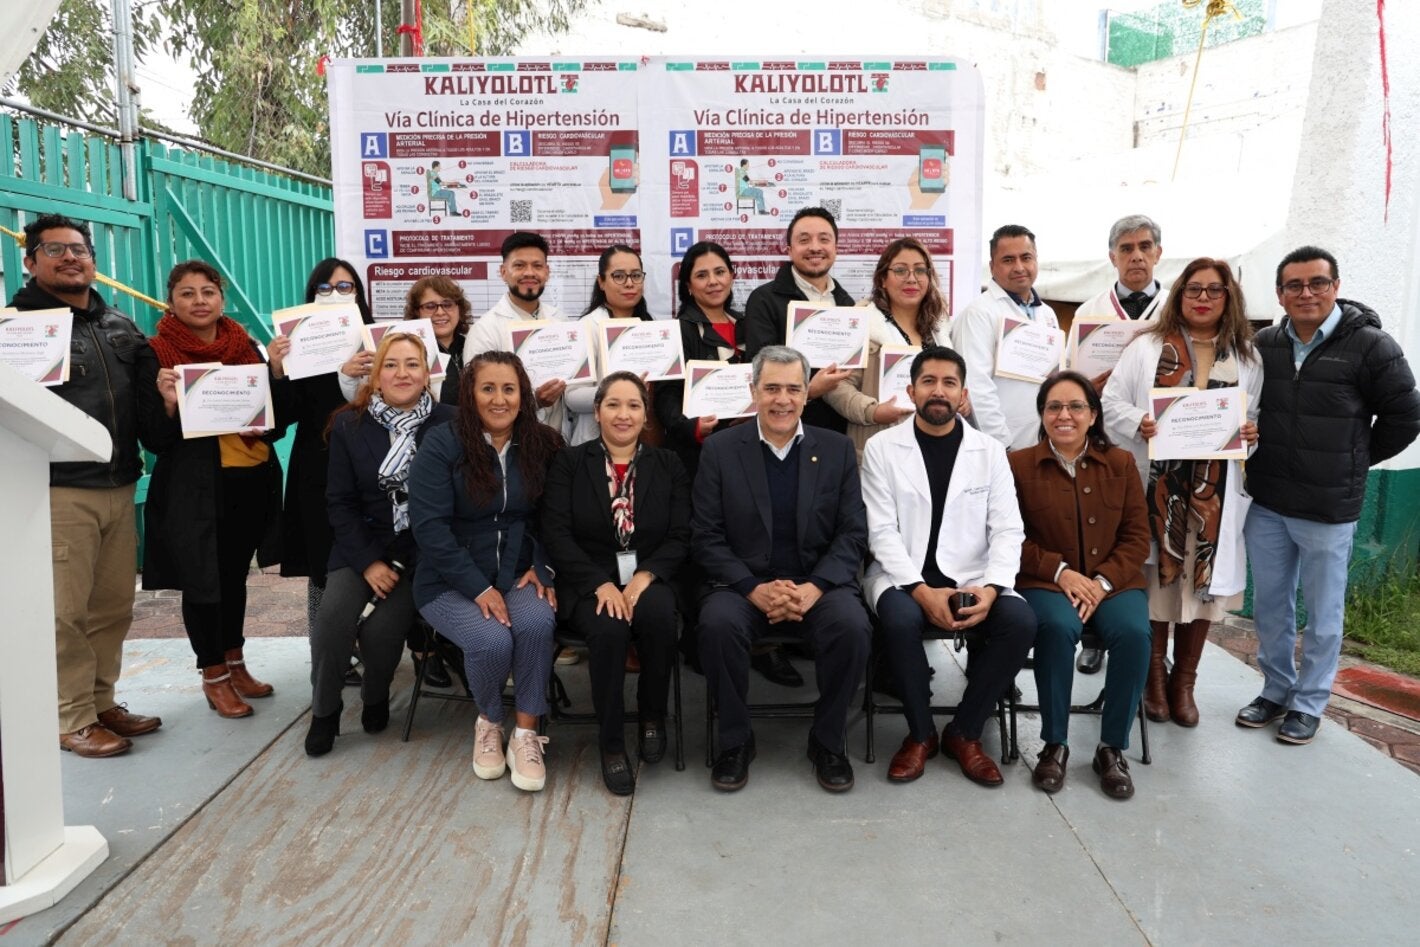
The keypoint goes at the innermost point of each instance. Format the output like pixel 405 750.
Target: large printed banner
pixel 436 161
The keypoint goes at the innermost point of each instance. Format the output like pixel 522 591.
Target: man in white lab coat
pixel 1003 407
pixel 943 520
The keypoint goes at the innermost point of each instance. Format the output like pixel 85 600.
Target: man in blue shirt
pixel 1337 397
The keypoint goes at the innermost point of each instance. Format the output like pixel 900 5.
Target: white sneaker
pixel 488 749
pixel 525 759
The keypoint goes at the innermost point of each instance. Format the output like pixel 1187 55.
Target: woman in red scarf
pixel 212 501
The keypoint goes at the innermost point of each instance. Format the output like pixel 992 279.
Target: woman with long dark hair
pixel 618 293
pixel 1082 563
pixel 1198 570
pixel 473 496
pixel 213 502
pixel 441 300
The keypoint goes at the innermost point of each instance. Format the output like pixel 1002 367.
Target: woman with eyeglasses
pixel 1198 567
pixel 373 442
pixel 213 502
pixel 305 531
pixel 1082 564
pixel 442 301
pixel 616 524
pixel 906 308
pixel 619 293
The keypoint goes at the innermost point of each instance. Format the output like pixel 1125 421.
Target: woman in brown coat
pixel 1087 536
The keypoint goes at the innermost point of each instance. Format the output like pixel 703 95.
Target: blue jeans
pixel 1122 620
pixel 1283 549
pixel 449 197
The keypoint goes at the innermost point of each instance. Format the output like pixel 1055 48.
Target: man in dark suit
pixel 780 530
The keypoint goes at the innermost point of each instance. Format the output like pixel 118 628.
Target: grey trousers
pixel 334 634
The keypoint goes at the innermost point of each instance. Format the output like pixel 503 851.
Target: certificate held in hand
pixel 834 336
pixel 223 399
pixel 895 372
pixel 1198 424
pixel 642 347
pixel 1027 350
pixel 1096 342
pixel 717 389
pixel 323 337
pixel 35 343
pixel 551 350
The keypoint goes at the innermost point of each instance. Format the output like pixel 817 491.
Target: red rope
pixel 1385 114
pixel 415 31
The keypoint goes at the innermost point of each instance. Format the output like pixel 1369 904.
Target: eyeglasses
pixel 1317 284
pixel 1074 407
pixel 344 288
pixel 621 277
pixel 1214 290
pixel 443 305
pixel 54 249
pixel 921 273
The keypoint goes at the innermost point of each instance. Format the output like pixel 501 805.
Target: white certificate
pixel 420 327
pixel 1198 425
pixel 36 343
pixel 642 347
pixel 1027 350
pixel 323 337
pixel 717 389
pixel 1096 342
pixel 223 399
pixel 834 336
pixel 895 372
pixel 551 350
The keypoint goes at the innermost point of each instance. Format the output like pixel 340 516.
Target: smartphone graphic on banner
pixel 622 174
pixel 932 169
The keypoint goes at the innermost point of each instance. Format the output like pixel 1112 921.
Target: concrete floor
pixel 1232 837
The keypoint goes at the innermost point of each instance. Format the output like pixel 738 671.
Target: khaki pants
pixel 95 553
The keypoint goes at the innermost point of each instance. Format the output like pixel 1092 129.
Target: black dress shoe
pixel 1298 728
pixel 833 770
pixel 435 674
pixel 616 773
pixel 731 770
pixel 1090 661
pixel 375 717
pixel 320 739
pixel 775 666
pixel 1259 713
pixel 651 740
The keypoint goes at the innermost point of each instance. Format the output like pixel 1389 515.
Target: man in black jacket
pixel 1337 397
pixel 812 240
pixel 113 379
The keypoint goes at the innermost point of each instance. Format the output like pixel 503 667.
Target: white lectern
pixel 43 859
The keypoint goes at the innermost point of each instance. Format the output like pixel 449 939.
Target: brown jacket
pixel 1104 503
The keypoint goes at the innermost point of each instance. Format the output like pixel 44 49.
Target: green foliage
pixel 258 91
pixel 1382 623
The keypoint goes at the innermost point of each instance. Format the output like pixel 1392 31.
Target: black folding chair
pixel 452 657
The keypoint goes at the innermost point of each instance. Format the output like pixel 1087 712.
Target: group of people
pixel 1014 515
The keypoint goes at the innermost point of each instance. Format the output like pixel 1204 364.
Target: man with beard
pixel 113 379
pixel 525 271
pixel 943 520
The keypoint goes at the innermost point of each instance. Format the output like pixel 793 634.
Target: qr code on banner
pixel 520 212
pixel 834 207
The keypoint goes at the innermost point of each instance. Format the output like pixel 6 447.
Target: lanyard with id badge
pixel 621 517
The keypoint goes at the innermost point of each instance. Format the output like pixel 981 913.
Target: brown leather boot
pixel 242 681
pixel 1156 701
pixel 221 696
pixel 1187 649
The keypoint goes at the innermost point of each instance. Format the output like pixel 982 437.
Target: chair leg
pixel 679 717
pixel 869 710
pixel 1144 735
pixel 1005 738
pixel 418 683
pixel 709 727
pixel 1015 743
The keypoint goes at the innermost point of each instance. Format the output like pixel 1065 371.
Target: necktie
pixel 1135 304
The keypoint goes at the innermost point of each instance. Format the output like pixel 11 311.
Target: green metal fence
pixel 262 231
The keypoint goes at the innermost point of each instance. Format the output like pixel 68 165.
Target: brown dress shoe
pixel 1114 773
pixel 975 764
pixel 125 724
pixel 910 760
pixel 1049 772
pixel 95 741
pixel 242 681
pixel 221 696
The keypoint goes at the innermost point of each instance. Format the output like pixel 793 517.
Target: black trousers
pixel 1008 631
pixel 653 628
pixel 837 631
pixel 215 628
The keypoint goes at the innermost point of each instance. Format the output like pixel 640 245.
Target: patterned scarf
pixel 394 469
pixel 623 497
pixel 1187 495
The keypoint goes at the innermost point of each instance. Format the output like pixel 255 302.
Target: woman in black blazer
pixel 373 441
pixel 616 525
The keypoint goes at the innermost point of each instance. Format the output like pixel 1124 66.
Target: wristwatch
pixel 1105 584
